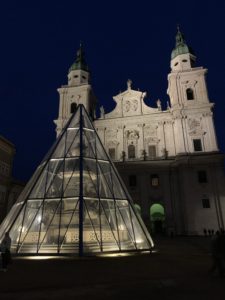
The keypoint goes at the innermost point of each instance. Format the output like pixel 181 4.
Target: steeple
pixel 182 56
pixel 80 63
pixel 77 91
pixel 79 72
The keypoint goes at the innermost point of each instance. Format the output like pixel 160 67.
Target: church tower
pixel 77 91
pixel 190 106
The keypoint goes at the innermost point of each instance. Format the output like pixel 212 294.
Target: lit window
pixel 152 152
pixel 131 151
pixel 202 177
pixel 205 203
pixel 154 180
pixel 197 143
pixel 73 107
pixel 190 94
pixel 112 153
pixel 132 180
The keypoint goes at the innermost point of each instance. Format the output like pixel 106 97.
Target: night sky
pixel 39 40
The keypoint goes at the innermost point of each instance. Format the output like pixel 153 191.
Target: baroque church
pixel 169 159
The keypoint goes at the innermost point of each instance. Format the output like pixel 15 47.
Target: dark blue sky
pixel 39 40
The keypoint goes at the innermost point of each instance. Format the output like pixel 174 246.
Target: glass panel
pixel 88 144
pixel 69 241
pixel 29 185
pixel 50 227
pixel 89 179
pixel 140 237
pixel 101 153
pixel 93 146
pixel 9 219
pixel 31 227
pixel 105 180
pixel 86 121
pixel 16 231
pixel 73 143
pixel 110 237
pixel 75 122
pixel 71 178
pixel 50 151
pixel 39 189
pixel 117 186
pixel 59 152
pixel 55 179
pixel 91 235
pixel 125 226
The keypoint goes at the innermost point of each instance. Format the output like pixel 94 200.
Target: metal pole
pixel 81 187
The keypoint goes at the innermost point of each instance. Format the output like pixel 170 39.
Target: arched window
pixel 73 107
pixel 190 94
pixel 131 151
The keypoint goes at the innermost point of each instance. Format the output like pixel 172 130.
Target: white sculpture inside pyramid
pixel 76 202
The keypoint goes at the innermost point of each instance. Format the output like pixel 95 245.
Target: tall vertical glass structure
pixel 76 202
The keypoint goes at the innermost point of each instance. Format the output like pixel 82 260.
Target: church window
pixel 73 107
pixel 175 64
pixel 205 203
pixel 131 151
pixel 184 60
pixel 152 152
pixel 75 76
pixel 154 180
pixel 83 77
pixel 197 143
pixel 112 153
pixel 190 94
pixel 202 177
pixel 132 180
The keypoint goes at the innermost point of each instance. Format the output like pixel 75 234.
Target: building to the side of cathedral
pixel 9 187
pixel 169 159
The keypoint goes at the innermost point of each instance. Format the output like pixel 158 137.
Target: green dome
pixel 80 63
pixel 181 46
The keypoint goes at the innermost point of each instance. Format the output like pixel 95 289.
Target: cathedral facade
pixel 169 159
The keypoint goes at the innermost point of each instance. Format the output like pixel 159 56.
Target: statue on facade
pixel 102 112
pixel 129 83
pixel 158 102
pixel 164 153
pixel 144 154
pixel 123 155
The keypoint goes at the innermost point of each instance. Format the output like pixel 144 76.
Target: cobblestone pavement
pixel 177 270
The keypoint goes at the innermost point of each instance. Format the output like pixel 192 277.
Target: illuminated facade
pixel 168 159
pixel 75 203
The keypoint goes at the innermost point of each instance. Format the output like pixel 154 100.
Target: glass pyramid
pixel 76 202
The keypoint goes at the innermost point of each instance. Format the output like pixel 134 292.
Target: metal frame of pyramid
pixel 75 203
